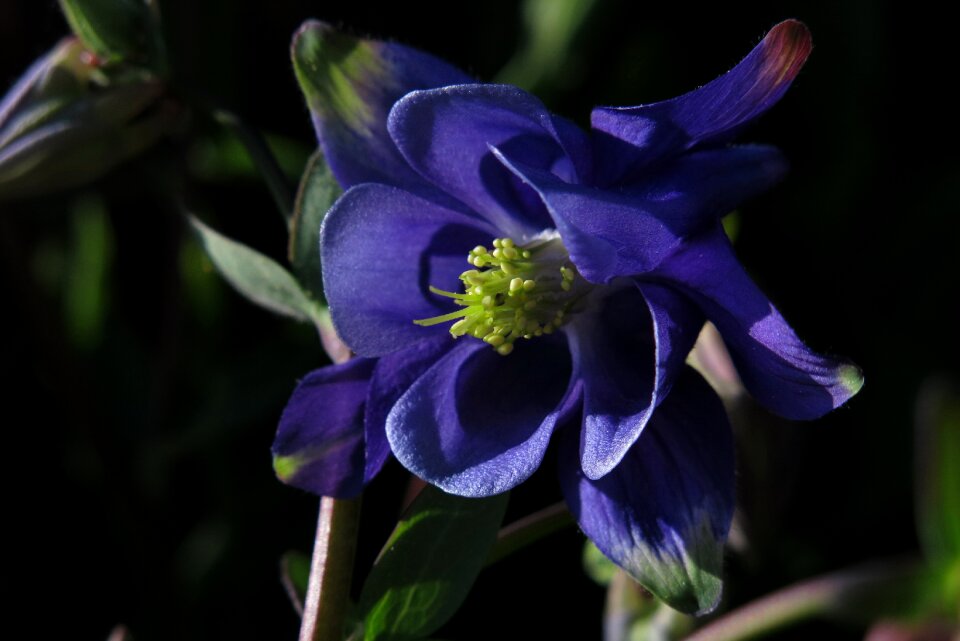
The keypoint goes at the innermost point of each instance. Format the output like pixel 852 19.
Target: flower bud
pixel 66 122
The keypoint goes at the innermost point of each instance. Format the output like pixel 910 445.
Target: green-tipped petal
pixel 350 84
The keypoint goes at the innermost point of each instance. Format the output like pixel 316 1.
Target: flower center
pixel 517 291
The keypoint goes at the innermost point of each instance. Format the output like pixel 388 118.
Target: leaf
pixel 257 277
pixel 318 191
pixel 295 575
pixel 937 483
pixel 114 29
pixel 429 564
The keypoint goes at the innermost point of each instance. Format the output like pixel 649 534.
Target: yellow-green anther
pixel 514 292
pixel 494 339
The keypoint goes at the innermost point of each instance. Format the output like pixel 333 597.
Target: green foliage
pixel 295 575
pixel 258 277
pixel 91 255
pixel 937 470
pixel 429 564
pixel 318 190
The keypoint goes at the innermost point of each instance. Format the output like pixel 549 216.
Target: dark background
pixel 137 483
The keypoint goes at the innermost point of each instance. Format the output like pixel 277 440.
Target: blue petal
pixel 624 232
pixel 626 368
pixel 446 135
pixel 630 138
pixel 393 375
pixel 663 514
pixel 381 249
pixel 694 190
pixel 319 443
pixel 776 367
pixel 477 423
pixel 607 233
pixel 350 85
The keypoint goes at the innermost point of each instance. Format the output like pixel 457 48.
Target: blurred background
pixel 141 393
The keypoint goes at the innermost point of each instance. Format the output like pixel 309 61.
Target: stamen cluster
pixel 514 292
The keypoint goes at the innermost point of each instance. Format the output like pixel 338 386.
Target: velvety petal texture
pixel 392 377
pixel 630 138
pixel 627 357
pixel 475 424
pixel 319 445
pixel 663 514
pixel 776 367
pixel 350 85
pixel 446 134
pixel 382 249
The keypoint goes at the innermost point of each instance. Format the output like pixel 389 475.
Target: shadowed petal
pixel 626 368
pixel 350 84
pixel 776 367
pixel 477 423
pixel 607 233
pixel 382 248
pixel 319 443
pixel 393 375
pixel 691 192
pixel 663 514
pixel 446 135
pixel 628 138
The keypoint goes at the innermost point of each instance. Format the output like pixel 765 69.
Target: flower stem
pixel 530 529
pixel 263 158
pixel 851 594
pixel 328 592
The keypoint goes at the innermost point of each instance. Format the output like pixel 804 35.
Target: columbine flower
pixel 574 272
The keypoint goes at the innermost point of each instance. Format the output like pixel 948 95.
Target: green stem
pixel 851 594
pixel 263 158
pixel 328 592
pixel 530 529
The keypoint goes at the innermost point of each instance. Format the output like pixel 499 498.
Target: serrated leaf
pixel 259 278
pixel 318 191
pixel 429 564
pixel 938 472
pixel 295 575
pixel 113 29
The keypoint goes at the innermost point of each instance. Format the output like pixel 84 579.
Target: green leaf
pixel 295 575
pixel 257 277
pixel 429 564
pixel 114 29
pixel 318 191
pixel 937 483
pixel 90 259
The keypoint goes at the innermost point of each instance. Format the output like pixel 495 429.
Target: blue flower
pixel 574 271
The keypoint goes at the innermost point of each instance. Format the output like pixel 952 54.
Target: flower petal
pixel 381 249
pixel 446 135
pixel 625 373
pixel 350 84
pixel 393 375
pixel 776 367
pixel 477 423
pixel 631 137
pixel 319 443
pixel 693 191
pixel 663 514
pixel 607 233
pixel 612 233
